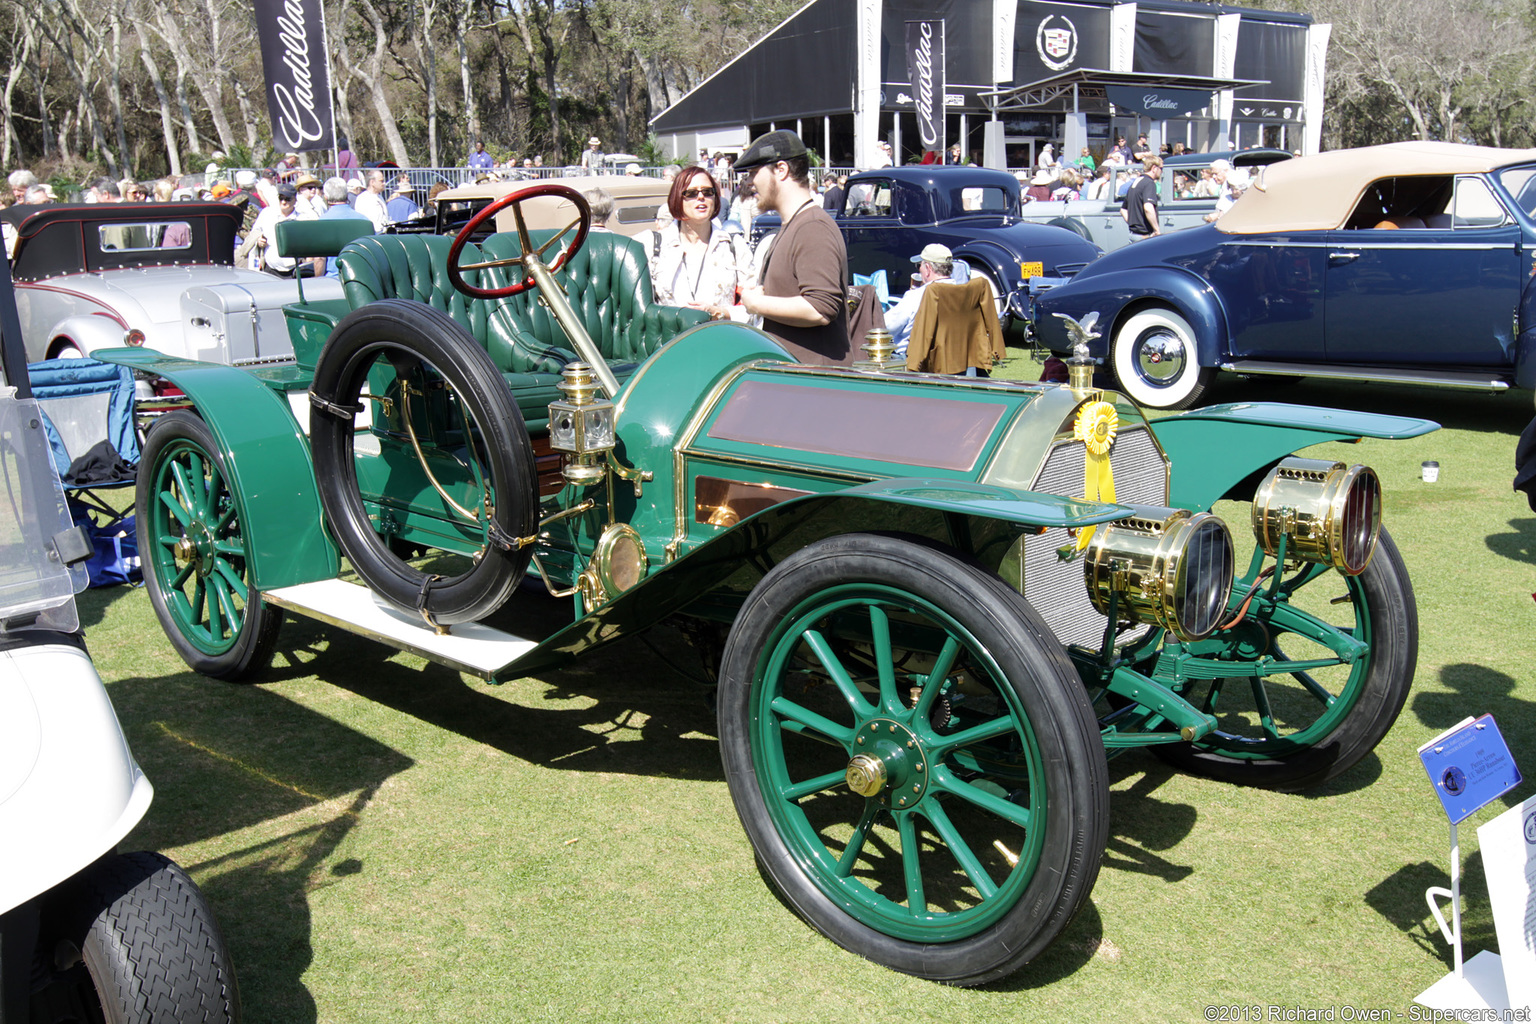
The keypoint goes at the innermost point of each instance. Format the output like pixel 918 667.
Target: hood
pixel 151 295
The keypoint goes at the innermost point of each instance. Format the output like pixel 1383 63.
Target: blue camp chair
pixel 88 415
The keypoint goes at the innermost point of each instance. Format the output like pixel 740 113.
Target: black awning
pixel 1089 87
pixel 803 68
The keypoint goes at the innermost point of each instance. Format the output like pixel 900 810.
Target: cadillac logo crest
pixel 1056 41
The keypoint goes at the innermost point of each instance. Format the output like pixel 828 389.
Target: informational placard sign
pixel 1469 765
pixel 1508 844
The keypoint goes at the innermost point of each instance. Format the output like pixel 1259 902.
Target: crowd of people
pixel 793 284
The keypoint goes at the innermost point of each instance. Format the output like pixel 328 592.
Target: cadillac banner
pixel 298 81
pixel 925 67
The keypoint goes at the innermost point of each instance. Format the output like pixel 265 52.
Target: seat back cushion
pixel 608 284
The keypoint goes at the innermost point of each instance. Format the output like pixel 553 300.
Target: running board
pixel 471 647
pixel 1435 378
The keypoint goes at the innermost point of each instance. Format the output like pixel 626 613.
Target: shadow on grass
pixel 225 759
pixel 1518 545
pixel 1078 943
pixel 1477 690
pixel 1400 899
pixel 1140 823
pixel 612 695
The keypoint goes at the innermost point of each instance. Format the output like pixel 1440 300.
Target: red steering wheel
pixel 515 200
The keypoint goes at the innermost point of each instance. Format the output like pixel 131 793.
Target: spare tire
pixel 1073 225
pixel 419 340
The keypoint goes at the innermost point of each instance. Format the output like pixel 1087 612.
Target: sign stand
pixel 1470 766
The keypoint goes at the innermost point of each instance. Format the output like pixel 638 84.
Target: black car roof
pixel 939 175
pixel 54 239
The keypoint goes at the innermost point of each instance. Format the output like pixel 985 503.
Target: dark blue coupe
pixel 888 215
pixel 1406 263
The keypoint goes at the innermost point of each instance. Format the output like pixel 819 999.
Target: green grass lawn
pixel 385 840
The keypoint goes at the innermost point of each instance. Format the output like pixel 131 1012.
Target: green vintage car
pixel 939 602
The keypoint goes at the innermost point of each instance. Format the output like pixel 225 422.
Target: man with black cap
pixel 804 271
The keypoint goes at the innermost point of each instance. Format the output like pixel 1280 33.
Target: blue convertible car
pixel 1406 263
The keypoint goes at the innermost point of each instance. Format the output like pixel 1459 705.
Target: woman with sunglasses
pixel 695 260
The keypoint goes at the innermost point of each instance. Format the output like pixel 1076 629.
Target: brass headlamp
pixel 1326 512
pixel 1169 567
pixel 581 424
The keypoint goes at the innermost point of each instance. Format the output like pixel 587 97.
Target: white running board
pixel 470 647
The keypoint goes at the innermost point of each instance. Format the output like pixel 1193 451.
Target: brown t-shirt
pixel 809 259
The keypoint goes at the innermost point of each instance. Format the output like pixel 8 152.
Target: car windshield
pixel 1520 182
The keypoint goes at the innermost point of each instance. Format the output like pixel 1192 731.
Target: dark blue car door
pixel 1441 290
pixel 876 219
pixel 1271 288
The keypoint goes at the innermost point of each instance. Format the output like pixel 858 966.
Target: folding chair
pixel 88 414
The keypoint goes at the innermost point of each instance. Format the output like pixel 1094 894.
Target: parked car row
pixel 1403 263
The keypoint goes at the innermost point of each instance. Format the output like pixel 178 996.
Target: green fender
pixel 267 458
pixel 1221 451
pixel 978 519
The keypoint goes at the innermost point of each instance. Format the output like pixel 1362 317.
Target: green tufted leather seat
pixel 608 284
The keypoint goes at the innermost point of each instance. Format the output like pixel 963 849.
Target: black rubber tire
pixel 408 333
pixel 152 951
pixel 1384 593
pixel 181 437
pixel 1047 702
pixel 1073 225
pixel 1179 391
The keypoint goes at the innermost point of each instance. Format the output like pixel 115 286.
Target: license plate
pixel 1029 270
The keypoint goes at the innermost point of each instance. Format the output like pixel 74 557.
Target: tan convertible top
pixel 1319 192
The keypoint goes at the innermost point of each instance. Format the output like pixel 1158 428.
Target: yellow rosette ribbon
pixel 1095 426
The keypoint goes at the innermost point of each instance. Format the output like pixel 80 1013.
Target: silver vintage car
pixel 1185 198
pixel 161 275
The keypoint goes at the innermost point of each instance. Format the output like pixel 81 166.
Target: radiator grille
pixel 1055 587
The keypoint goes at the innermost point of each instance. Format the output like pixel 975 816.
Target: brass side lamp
pixel 581 424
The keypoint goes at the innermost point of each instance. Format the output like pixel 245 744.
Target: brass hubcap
pixel 191 549
pixel 866 775
pixel 891 767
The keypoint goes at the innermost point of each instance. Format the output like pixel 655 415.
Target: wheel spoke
pixel 880 636
pixel 811 720
pixel 917 902
pixel 178 509
pixel 839 675
pixel 232 579
pixel 197 483
pixel 220 590
pixel 1261 704
pixel 989 802
pixel 816 785
pixel 199 609
pixel 856 841
pixel 988 730
pixel 935 681
pixel 181 576
pixel 214 606
pixel 959 849
pixel 1310 684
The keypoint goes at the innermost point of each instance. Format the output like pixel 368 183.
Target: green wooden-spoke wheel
pixel 1343 652
pixel 196 562
pixel 913 757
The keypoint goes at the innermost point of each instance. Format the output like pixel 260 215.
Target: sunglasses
pixel 698 193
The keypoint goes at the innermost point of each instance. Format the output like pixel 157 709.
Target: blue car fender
pixel 1118 297
pixel 998 260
